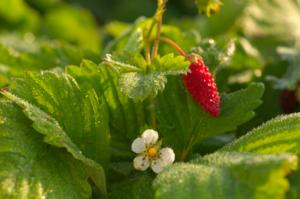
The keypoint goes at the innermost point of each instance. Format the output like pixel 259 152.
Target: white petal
pixel 141 163
pixel 138 145
pixel 167 155
pixel 150 136
pixel 157 166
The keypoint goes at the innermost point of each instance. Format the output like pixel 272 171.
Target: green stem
pixel 152 112
pixel 159 17
pixel 147 42
pixel 187 150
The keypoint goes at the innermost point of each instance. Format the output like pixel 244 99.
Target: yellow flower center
pixel 152 152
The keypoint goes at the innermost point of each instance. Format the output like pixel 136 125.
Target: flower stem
pixel 159 16
pixel 152 112
pixel 157 20
pixel 147 42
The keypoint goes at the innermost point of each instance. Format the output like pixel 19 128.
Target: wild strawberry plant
pixel 158 112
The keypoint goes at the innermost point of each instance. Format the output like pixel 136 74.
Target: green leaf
pixel 135 42
pixel 81 113
pixel 119 43
pixel 126 62
pixel 278 135
pixel 69 117
pixel 294 192
pixel 227 176
pixel 215 53
pixel 169 64
pixel 183 123
pixel 208 6
pixel 29 51
pixel 19 53
pixel 32 169
pixel 135 187
pixel 139 86
pixel 138 80
pixel 126 118
pixel 134 62
pixel 55 135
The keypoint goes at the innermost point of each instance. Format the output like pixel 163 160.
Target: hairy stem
pixel 159 16
pixel 147 42
pixel 157 20
pixel 152 112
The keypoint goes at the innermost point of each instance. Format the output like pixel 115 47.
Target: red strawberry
pixel 201 86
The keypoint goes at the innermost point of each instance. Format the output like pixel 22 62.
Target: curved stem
pixel 175 45
pixel 178 48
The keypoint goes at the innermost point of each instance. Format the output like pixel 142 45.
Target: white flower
pixel 150 154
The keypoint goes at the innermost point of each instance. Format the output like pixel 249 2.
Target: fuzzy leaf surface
pixel 278 135
pixel 126 118
pixel 31 168
pixel 227 176
pixel 136 187
pixel 139 80
pixel 139 86
pixel 68 117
